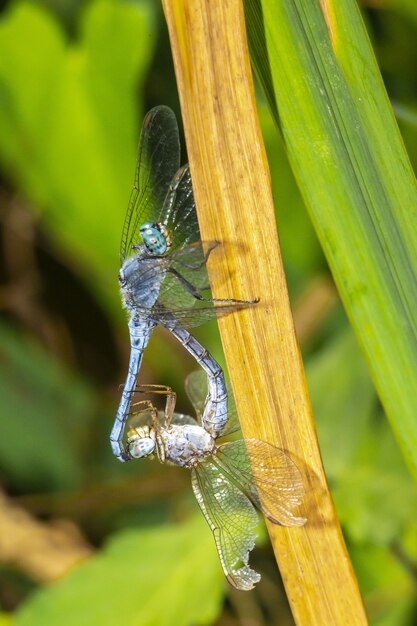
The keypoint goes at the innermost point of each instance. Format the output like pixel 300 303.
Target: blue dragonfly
pixel 228 480
pixel 163 273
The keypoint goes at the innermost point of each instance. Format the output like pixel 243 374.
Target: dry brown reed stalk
pixel 234 201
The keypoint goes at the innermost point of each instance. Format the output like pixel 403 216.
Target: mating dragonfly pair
pixel 163 279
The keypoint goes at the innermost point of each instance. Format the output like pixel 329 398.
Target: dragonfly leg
pixel 148 406
pixel 139 432
pixel 214 417
pixel 194 292
pixel 144 406
pixel 198 266
pixel 171 398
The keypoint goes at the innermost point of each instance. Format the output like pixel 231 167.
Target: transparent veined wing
pixel 196 316
pixel 182 279
pixel 196 253
pixel 178 211
pixel 157 163
pixel 271 480
pixel 182 420
pixel 186 286
pixel 196 388
pixel 185 278
pixel 144 418
pixel 232 519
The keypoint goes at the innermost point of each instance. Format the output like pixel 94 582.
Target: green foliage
pixel 354 174
pixel 72 122
pixel 375 498
pixel 153 577
pixel 70 109
pixel 301 251
pixel 387 585
pixel 343 400
pixel 44 413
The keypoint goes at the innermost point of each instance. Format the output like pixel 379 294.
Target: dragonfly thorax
pixel 186 445
pixel 156 238
pixel 140 279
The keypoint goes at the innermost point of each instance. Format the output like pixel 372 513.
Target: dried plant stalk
pixel 234 201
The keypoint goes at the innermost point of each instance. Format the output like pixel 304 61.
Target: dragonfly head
pixel 156 238
pixel 141 442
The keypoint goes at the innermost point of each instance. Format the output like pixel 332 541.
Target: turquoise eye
pixel 155 238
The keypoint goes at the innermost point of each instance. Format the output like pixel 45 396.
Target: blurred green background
pixel 83 538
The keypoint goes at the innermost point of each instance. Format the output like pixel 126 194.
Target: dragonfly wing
pixel 270 479
pixel 232 519
pixel 178 210
pixel 187 275
pixel 182 420
pixel 158 161
pixel 196 388
pixel 144 418
pixel 174 300
pixel 195 316
pixel 185 290
pixel 232 424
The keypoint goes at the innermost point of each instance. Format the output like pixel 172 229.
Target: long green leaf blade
pixel 353 171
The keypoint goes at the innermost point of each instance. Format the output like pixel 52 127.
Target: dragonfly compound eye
pixel 141 446
pixel 155 237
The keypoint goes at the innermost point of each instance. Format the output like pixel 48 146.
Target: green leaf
pixel 407 120
pixel 408 7
pixel 343 400
pixel 71 123
pixel 44 413
pixel 374 496
pixel 387 587
pixel 301 252
pixel 154 577
pixel 409 541
pixel 354 174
